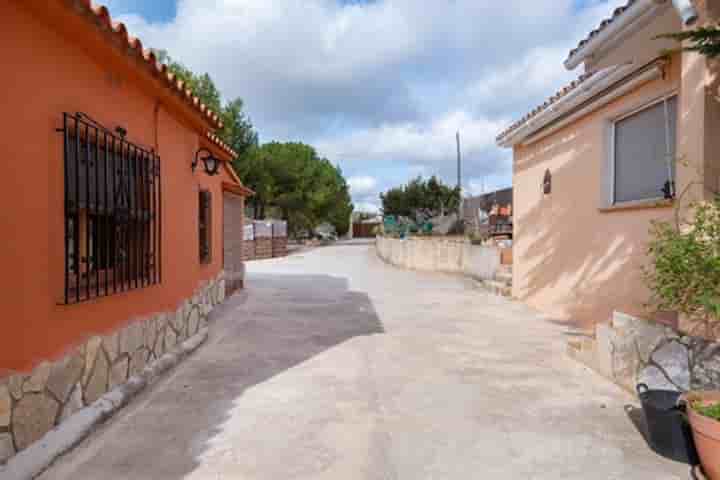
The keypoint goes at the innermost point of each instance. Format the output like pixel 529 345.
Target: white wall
pixel 440 255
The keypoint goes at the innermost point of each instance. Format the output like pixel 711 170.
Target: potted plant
pixel 684 276
pixel 703 409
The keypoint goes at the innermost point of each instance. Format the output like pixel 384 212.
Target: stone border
pixel 37 457
pixel 32 405
pixel 632 350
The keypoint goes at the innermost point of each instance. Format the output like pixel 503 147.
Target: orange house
pixel 115 246
pixel 633 140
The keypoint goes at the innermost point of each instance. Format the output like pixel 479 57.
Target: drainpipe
pixel 687 11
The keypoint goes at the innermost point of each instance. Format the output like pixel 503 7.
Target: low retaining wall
pixel 33 404
pixel 631 350
pixel 441 255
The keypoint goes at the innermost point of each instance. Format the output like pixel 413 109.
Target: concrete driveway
pixel 333 365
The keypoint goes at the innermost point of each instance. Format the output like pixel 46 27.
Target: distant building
pixel 490 213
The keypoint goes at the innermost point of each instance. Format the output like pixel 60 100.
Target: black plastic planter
pixel 670 433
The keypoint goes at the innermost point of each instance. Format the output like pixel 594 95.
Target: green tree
pixel 420 199
pixel 237 131
pixel 704 40
pixel 292 179
pixel 289 178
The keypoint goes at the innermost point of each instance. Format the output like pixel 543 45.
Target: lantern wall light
pixel 210 162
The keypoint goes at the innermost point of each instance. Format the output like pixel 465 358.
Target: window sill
pixel 638 205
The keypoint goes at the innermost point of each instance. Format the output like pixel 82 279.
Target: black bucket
pixel 668 427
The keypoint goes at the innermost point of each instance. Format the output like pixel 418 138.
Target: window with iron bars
pixel 205 226
pixel 112 212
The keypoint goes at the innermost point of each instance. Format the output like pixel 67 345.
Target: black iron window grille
pixel 112 212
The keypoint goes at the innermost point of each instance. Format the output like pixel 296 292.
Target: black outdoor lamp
pixel 211 162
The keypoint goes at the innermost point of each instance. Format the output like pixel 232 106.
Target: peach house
pixel 631 141
pixel 116 246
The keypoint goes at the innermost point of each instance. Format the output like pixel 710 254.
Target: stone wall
pixel 632 350
pixel 441 255
pixel 33 404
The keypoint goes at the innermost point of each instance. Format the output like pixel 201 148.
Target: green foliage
pixel 288 178
pixel 705 40
pixel 237 131
pixel 710 411
pixel 684 274
pixel 291 177
pixel 420 199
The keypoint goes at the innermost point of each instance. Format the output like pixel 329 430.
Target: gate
pixel 233 217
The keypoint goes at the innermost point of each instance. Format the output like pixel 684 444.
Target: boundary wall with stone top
pixel 631 350
pixel 32 404
pixel 436 254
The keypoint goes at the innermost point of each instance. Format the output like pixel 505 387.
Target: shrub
pixel 684 271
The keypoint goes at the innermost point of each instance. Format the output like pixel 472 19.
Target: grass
pixel 711 411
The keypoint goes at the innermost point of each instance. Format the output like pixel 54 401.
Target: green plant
pixel 710 411
pixel 684 270
pixel 704 40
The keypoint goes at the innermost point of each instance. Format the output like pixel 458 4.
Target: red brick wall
pixel 263 248
pixel 248 250
pixel 279 246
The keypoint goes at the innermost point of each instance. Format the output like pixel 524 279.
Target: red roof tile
pixel 550 101
pixel 217 141
pixel 119 30
pixel 603 25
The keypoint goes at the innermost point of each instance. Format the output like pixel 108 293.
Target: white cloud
pixel 362 185
pixel 382 87
pixel 367 207
pixel 415 142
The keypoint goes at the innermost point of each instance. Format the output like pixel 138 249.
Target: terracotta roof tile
pixel 217 141
pixel 135 47
pixel 603 25
pixel 550 101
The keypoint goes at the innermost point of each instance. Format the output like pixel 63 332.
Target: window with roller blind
pixel 644 153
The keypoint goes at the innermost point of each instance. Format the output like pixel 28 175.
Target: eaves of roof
pixel 98 17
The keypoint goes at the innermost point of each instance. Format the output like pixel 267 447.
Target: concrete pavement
pixel 333 365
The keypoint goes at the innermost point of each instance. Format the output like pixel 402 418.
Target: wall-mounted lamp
pixel 211 162
pixel 547 182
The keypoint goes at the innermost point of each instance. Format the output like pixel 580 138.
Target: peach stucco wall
pixel 47 73
pixel 573 260
pixel 643 46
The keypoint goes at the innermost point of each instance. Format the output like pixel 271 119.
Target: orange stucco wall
pixel 48 72
pixel 573 260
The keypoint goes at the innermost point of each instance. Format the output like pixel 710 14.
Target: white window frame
pixel 612 159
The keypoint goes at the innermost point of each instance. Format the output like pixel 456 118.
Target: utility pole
pixel 459 176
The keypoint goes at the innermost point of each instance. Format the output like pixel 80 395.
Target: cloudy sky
pixel 378 86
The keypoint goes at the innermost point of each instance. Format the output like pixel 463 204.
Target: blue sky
pixel 152 10
pixel 379 87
